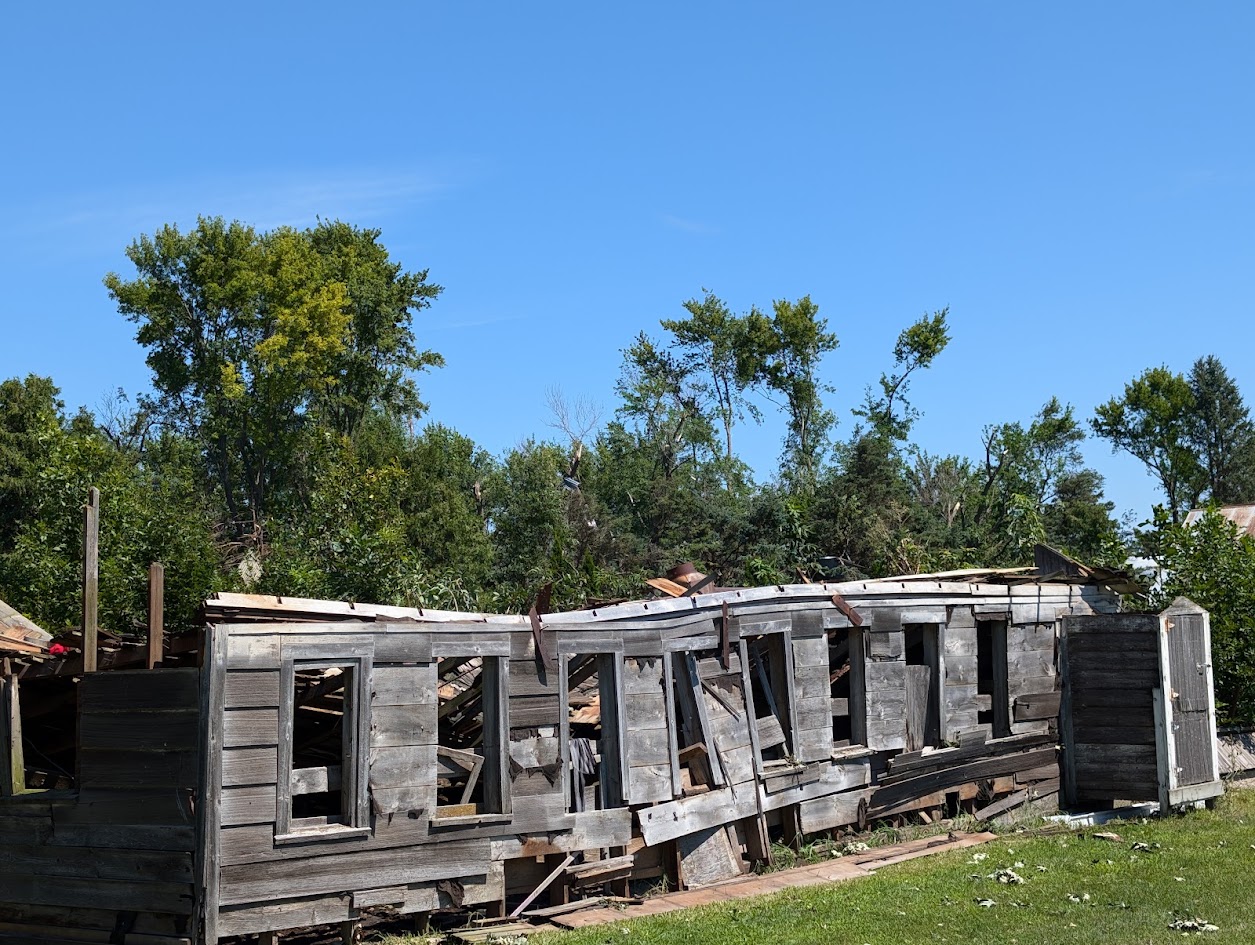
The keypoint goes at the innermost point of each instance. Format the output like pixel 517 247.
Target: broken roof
pixel 20 636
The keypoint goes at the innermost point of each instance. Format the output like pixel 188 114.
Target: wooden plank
pixel 363 869
pixel 403 725
pixel 91 579
pixel 404 685
pixel 139 690
pixel 999 807
pixel 136 769
pixel 156 612
pixel 252 804
pixel 243 728
pixel 689 814
pixel 706 857
pixel 899 791
pixel 252 689
pixel 210 745
pixel 12 763
pixel 153 731
pixel 1031 708
pixel 241 766
pixel 116 895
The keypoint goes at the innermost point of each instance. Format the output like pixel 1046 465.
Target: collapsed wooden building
pixel 328 759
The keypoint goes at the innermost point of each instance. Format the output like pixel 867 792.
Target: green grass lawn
pixel 1075 889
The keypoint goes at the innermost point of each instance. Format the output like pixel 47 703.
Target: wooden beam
pixel 91 577
pixel 13 768
pixel 156 612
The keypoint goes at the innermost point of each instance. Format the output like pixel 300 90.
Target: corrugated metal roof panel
pixel 1243 516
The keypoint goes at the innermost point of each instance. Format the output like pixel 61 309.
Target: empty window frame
pixel 847 685
pixel 991 677
pixel 923 686
pixel 695 764
pixel 593 754
pixel 472 750
pixel 768 662
pixel 324 732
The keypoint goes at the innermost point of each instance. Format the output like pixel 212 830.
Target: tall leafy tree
pixel 783 353
pixel 375 369
pixel 1152 421
pixel 713 344
pixel 250 335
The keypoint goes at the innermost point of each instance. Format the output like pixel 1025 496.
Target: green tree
pixel 713 344
pixel 783 352
pixel 1212 564
pixel 1152 421
pixel 250 335
pixel 890 415
pixel 375 369
pixel 152 509
pixel 1028 475
pixel 30 423
pixel 1219 429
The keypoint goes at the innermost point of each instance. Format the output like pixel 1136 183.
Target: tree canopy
pixel 277 451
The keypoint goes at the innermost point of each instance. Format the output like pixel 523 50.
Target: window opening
pixel 771 689
pixel 847 689
pixel 323 747
pixel 592 732
pixel 697 767
pixel 991 676
pixel 472 739
pixel 923 687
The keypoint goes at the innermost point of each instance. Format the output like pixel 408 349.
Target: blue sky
pixel 1076 181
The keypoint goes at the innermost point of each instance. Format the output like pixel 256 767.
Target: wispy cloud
pixel 688 226
pixel 458 324
pixel 363 195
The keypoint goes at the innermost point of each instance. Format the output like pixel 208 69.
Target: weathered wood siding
pixel 120 849
pixel 1112 670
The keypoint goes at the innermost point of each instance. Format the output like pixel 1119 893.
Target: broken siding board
pixel 643 676
pixel 401 765
pixel 689 814
pixel 535 711
pixel 836 810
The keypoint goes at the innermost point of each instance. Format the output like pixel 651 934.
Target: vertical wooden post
pixel 351 931
pixel 13 765
pixel 91 577
pixel 156 612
